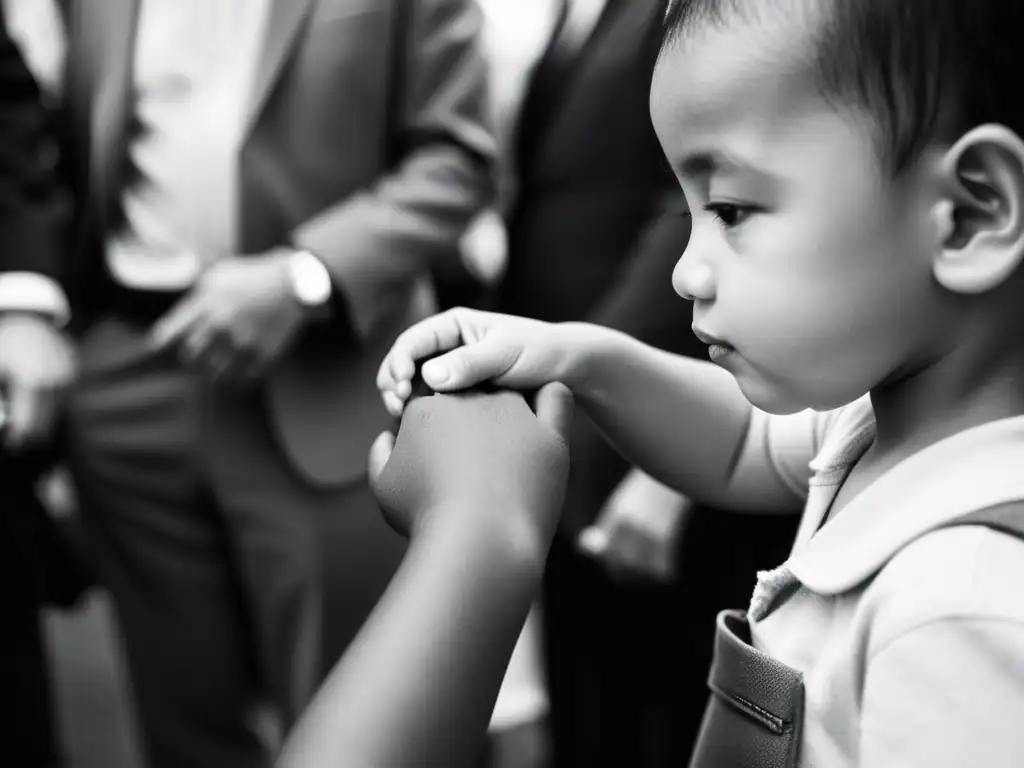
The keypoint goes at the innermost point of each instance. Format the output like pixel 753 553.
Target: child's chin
pixel 770 399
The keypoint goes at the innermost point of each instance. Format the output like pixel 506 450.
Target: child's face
pixel 805 258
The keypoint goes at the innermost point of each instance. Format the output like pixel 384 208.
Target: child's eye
pixel 729 214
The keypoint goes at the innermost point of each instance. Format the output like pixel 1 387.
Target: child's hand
pixel 471 348
pixel 477 455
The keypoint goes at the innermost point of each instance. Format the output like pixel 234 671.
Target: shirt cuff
pixel 33 292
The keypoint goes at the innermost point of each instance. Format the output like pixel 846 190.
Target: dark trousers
pixel 28 731
pixel 222 563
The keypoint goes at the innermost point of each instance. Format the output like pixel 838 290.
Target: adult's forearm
pixel 418 684
pixel 376 243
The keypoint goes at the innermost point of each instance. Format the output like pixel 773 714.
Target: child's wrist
pixel 584 346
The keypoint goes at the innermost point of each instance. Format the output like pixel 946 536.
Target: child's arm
pixel 682 421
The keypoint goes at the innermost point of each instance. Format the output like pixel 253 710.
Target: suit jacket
pixel 29 225
pixel 31 209
pixel 591 174
pixel 379 197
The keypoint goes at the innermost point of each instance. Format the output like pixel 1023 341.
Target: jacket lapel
pixel 283 26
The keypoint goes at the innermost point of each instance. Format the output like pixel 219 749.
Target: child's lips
pixel 717 352
pixel 708 338
pixel 717 349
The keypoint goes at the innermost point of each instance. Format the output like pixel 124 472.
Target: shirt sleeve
pixel 32 292
pixel 774 463
pixel 946 694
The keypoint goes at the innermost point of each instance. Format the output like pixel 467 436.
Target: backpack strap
pixel 1006 518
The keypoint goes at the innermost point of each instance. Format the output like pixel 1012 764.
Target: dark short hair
pixel 926 70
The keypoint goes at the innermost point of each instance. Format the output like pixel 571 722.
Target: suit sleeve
pixel 31 212
pixel 377 242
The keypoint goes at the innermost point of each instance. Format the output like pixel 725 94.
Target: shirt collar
pixel 971 470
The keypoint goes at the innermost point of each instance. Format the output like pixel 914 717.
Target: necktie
pixel 576 24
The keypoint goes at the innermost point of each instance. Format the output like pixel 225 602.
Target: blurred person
pixel 37 564
pixel 263 187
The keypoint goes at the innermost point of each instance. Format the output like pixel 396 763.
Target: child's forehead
pixel 742 65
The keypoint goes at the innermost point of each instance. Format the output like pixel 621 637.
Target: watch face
pixel 311 281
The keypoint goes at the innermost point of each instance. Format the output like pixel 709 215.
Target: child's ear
pixel 980 217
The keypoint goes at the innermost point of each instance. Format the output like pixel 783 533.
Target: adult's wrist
pixel 513 537
pixel 309 283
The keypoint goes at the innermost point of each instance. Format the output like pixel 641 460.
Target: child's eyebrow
pixel 703 163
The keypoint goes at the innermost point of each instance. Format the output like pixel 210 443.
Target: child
pixel 856 175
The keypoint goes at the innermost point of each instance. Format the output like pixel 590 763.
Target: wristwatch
pixel 310 282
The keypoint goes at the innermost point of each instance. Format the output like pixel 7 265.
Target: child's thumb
pixel 554 407
pixel 464 367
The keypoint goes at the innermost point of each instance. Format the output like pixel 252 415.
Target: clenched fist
pixel 37 363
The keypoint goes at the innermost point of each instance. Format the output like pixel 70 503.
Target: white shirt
pixel 515 35
pixel 911 646
pixel 195 61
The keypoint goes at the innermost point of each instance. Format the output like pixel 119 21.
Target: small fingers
pixel 437 334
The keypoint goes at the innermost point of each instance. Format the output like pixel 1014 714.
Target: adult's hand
pixel 237 321
pixel 37 363
pixel 477 454
pixel 636 535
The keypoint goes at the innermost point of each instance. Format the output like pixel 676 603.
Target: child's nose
pixel 693 278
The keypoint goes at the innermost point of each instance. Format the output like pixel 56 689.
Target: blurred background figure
pixel 245 248
pixel 38 565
